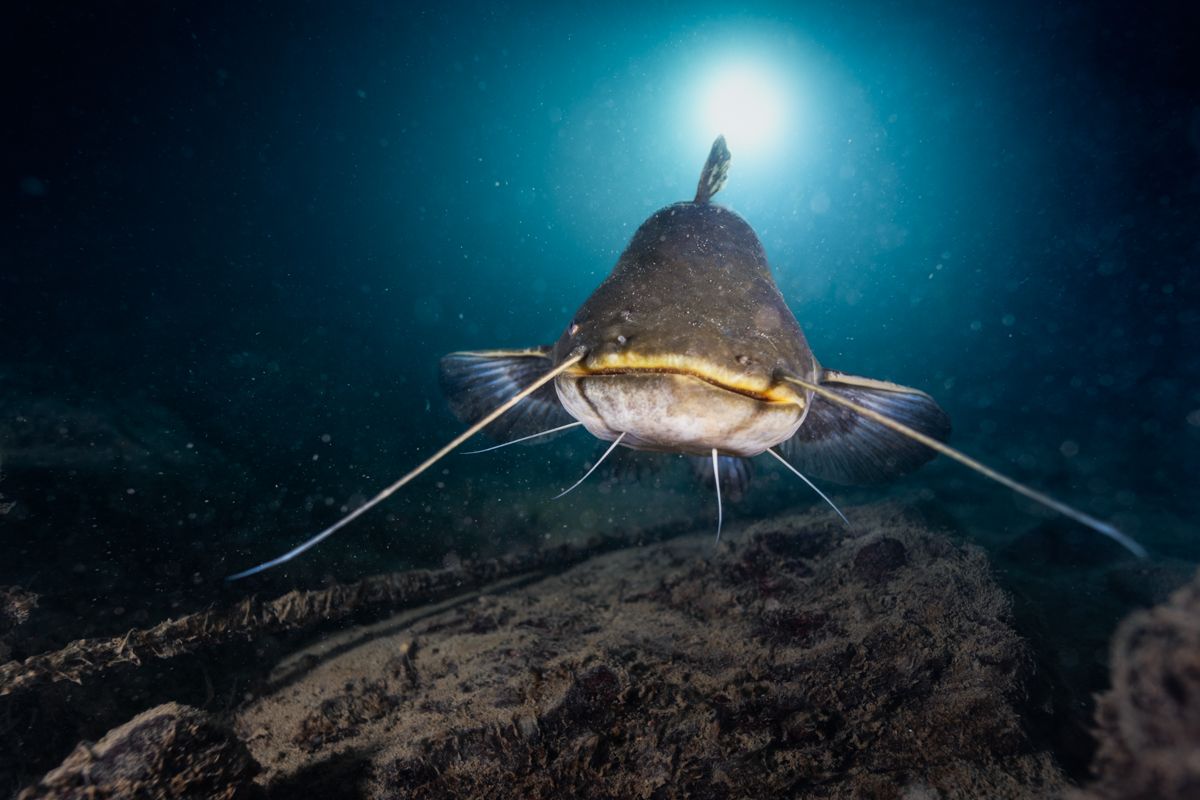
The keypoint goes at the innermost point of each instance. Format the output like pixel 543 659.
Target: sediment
pixel 795 659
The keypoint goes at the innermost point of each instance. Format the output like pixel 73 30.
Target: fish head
pixel 685 340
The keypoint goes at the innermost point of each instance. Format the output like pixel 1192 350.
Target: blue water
pixel 237 240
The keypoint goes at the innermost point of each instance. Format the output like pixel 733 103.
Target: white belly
pixel 676 413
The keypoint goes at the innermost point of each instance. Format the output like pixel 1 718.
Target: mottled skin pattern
pixel 689 325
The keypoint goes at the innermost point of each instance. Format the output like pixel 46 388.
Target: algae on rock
pixel 797 658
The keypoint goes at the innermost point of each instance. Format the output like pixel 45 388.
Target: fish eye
pixel 621 339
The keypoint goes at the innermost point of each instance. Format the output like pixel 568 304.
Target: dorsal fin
pixel 716 169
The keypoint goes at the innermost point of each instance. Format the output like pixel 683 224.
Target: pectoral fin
pixel 474 382
pixel 903 411
pixel 839 445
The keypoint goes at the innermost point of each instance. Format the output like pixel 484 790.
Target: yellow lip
pixel 671 364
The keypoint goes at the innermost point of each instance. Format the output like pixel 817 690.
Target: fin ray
pixel 836 444
pixel 829 393
pixel 475 381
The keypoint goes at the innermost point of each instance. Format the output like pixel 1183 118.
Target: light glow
pixel 748 104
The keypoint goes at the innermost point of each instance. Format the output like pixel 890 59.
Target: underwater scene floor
pixel 796 658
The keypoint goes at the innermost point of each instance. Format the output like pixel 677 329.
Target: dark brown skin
pixel 688 347
pixel 693 281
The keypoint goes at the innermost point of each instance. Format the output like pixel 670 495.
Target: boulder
pixel 168 752
pixel 795 659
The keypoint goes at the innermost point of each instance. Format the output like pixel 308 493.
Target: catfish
pixel 689 347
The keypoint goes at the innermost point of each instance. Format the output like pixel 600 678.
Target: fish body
pixel 685 340
pixel 689 347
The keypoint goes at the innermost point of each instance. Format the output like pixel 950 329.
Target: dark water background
pixel 237 237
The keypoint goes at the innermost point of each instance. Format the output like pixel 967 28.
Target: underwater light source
pixel 744 102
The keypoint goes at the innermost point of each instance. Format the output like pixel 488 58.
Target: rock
pixel 777 665
pixel 170 751
pixel 15 606
pixel 875 562
pixel 1149 722
pixel 339 717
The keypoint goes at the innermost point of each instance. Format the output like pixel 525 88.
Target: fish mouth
pixel 737 382
pixel 682 406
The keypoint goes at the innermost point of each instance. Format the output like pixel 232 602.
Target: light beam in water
pixel 747 102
